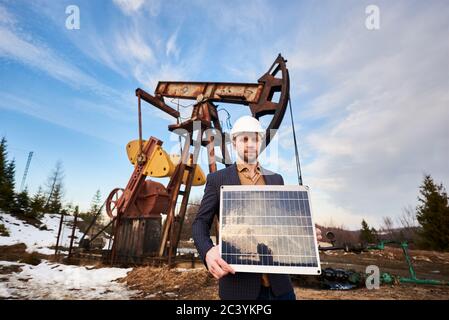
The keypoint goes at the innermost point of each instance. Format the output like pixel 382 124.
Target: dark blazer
pixel 242 285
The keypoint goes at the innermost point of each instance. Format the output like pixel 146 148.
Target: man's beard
pixel 250 158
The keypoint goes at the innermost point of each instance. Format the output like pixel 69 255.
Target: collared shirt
pixel 247 176
pixel 255 177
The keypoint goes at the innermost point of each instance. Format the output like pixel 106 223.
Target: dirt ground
pixel 162 283
pixel 395 292
pixel 196 284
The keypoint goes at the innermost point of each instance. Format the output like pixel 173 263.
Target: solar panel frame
pixel 274 267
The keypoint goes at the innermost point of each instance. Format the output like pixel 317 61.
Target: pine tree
pixel 367 235
pixel 95 206
pixel 22 204
pixel 96 203
pixel 3 157
pixel 7 192
pixel 54 204
pixel 433 215
pixel 37 203
pixel 3 164
pixel 7 171
pixel 55 190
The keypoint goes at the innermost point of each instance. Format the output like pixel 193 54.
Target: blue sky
pixel 370 106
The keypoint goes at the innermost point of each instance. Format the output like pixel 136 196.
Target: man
pixel 247 135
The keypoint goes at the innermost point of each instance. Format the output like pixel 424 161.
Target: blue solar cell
pixel 262 229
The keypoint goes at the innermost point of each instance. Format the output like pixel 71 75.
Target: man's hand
pixel 216 265
pixel 318 234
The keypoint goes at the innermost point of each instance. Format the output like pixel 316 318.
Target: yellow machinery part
pixel 161 164
pixel 198 177
pixel 158 165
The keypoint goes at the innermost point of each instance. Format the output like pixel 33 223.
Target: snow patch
pixel 56 281
pixel 35 239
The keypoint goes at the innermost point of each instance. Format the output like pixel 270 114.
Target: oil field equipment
pixel 341 279
pixel 135 211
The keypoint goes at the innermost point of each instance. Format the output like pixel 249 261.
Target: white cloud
pixel 74 117
pixel 327 213
pixel 383 107
pixel 130 7
pixel 171 47
pixel 245 17
pixel 21 47
pixel 126 48
pixel 12 46
pixel 5 17
pixel 245 73
pixel 133 49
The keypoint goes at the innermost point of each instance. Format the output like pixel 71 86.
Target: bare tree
pixel 408 218
pixel 330 224
pixel 409 223
pixel 192 209
pixel 388 228
pixel 55 189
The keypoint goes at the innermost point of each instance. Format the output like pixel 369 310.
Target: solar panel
pixel 268 229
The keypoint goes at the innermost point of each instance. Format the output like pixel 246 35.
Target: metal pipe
pixel 59 234
pixel 75 219
pixel 140 129
pixel 157 103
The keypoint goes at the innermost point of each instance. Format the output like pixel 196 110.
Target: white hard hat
pixel 246 124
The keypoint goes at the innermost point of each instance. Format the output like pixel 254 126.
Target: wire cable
pixel 298 164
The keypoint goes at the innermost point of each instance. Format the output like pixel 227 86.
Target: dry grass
pixel 32 258
pixel 164 283
pixel 17 253
pixel 8 270
pixel 4 232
